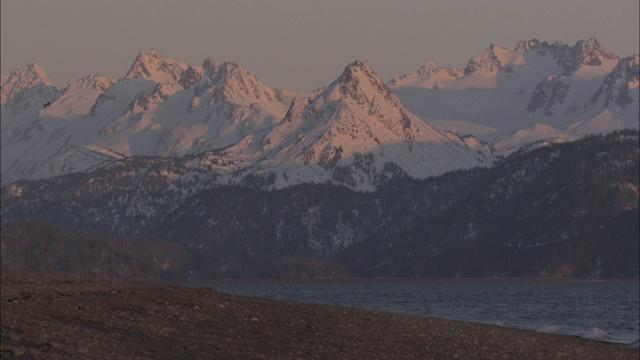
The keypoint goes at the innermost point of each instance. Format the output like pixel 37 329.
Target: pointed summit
pixel 19 79
pixel 528 45
pixel 592 53
pixel 153 66
pixel 233 104
pixel 491 59
pixel 230 82
pixel 209 64
pixel 584 54
pixel 359 82
pixel 357 114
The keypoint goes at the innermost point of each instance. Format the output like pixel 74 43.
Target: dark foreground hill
pixel 54 317
pixel 567 210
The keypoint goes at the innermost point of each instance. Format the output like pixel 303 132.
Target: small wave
pixel 549 329
pixel 595 333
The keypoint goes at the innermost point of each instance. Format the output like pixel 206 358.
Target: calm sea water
pixel 599 310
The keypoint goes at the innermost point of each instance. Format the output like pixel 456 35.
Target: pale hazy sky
pixel 295 44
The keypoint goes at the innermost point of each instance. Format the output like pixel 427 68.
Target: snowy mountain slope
pixel 501 91
pixel 615 105
pixel 51 146
pixel 25 91
pixel 538 134
pixel 222 106
pixel 356 131
pixel 29 78
pixel 618 87
pixel 234 105
pixel 162 107
pixel 428 75
pixel 356 116
pixel 77 97
pixel 153 66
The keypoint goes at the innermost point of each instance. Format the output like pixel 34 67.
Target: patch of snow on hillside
pixel 505 145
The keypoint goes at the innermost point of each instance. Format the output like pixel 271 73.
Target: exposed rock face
pixel 488 60
pixel 621 84
pixel 549 92
pixel 153 66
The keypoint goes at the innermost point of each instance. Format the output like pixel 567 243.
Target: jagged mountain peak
pixel 592 52
pixel 22 78
pixel 492 59
pixel 31 71
pixel 355 115
pixel 222 107
pixel 428 67
pixel 153 66
pixel 427 75
pixel 620 86
pixel 357 68
pixel 528 45
pixel 209 64
pixel 358 81
pixel 358 64
pixel 230 69
pixel 191 76
pixel 591 43
pixel 589 53
pixel 149 56
pixel 231 82
pixel 91 82
pixel 225 73
pixel 570 58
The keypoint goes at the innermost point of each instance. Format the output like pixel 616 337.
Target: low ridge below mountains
pixel 564 210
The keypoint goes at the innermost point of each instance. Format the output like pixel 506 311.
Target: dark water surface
pixel 599 310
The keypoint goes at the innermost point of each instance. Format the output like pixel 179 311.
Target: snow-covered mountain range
pixel 356 131
pixel 570 90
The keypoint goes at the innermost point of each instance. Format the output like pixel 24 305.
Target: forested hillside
pixel 567 210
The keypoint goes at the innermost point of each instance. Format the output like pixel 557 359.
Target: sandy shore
pixel 56 317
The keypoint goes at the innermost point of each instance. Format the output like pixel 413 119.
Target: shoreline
pixel 399 279
pixel 589 333
pixel 62 317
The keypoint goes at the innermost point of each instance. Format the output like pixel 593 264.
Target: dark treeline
pixel 40 246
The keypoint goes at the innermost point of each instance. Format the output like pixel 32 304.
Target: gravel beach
pixel 47 316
